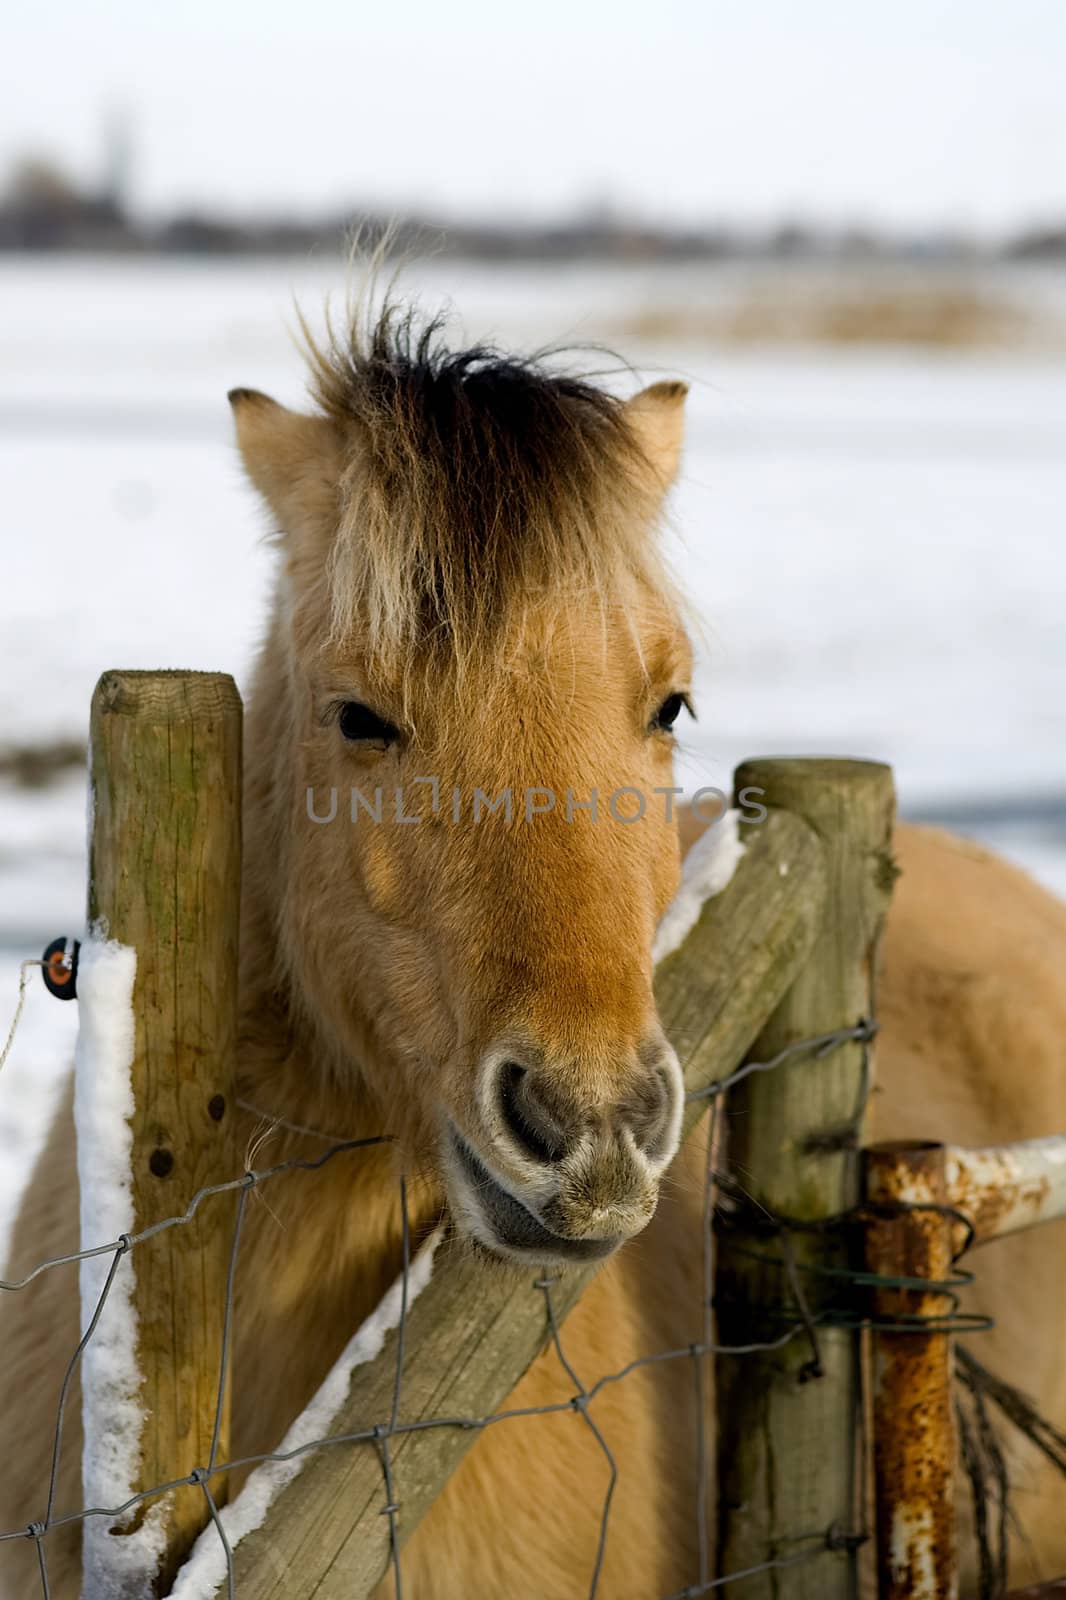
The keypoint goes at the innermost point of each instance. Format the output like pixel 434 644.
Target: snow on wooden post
pixel 164 884
pixel 787 1418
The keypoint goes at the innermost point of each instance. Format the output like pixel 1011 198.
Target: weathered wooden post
pixel 909 1235
pixel 165 884
pixel 787 1421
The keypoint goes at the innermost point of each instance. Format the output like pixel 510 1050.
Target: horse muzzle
pixel 547 1233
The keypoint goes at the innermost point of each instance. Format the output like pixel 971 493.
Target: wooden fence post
pixel 165 880
pixel 787 1421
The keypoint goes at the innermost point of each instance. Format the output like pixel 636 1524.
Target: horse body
pixel 469 594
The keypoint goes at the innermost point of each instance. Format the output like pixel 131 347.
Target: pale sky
pixel 907 112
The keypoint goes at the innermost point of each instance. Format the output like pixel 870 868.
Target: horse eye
pixel 668 712
pixel 361 725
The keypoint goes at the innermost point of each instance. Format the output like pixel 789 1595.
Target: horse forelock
pixel 480 488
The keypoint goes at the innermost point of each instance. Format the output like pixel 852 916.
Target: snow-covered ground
pixel 875 540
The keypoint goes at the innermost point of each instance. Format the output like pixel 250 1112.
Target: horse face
pixel 498 872
pixel 474 867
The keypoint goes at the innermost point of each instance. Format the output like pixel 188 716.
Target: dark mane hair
pixel 480 482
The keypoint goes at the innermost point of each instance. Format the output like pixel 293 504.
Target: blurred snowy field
pixel 874 539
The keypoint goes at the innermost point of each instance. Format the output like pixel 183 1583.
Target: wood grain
pixel 164 870
pixel 786 1432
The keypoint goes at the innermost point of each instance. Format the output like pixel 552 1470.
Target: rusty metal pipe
pixel 913 1421
pixel 1006 1187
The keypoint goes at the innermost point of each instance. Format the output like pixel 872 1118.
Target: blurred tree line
pixel 43 208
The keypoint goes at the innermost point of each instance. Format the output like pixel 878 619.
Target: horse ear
pixel 657 417
pixel 295 461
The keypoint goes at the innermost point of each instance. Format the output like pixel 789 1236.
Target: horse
pixel 471 601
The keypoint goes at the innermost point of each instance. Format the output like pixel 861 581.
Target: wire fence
pixel 849 1290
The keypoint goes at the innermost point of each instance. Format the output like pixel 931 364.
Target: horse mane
pixel 481 484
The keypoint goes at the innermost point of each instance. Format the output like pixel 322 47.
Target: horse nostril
pixel 652 1117
pixel 527 1122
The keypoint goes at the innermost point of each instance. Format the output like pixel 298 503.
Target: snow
pixel 112 1412
pixel 706 870
pixel 871 538
pixel 205 1570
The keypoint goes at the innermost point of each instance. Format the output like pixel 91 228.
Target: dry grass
pixel 953 318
